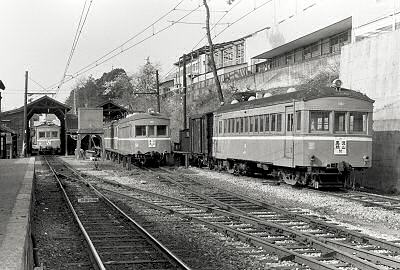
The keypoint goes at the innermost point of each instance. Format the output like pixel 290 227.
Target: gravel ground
pixel 373 221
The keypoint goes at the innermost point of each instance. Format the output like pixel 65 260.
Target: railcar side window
pixel 319 121
pixel 140 131
pixel 256 124
pixel 298 120
pixel 267 122
pixel 289 122
pixel 54 134
pixel 358 122
pixel 42 134
pixel 340 122
pixel 241 124
pixel 225 125
pixel 279 122
pixel 261 123
pixel 237 125
pixel 273 122
pixel 151 131
pixel 251 123
pixel 246 124
pixel 162 130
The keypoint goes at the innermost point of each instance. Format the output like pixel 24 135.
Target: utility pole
pixel 25 141
pixel 184 90
pixel 158 93
pixel 74 101
pixel 212 60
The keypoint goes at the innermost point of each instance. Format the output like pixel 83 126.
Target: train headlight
pixel 312 159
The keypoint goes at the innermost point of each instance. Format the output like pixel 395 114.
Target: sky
pixel 37 36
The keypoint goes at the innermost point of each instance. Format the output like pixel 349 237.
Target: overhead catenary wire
pixel 78 33
pixel 120 48
pixel 96 64
pixel 220 19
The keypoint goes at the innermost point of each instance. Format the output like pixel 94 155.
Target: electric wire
pixel 120 47
pixel 78 33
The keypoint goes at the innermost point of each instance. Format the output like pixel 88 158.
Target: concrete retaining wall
pixel 372 66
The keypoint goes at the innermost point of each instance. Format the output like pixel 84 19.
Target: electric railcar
pixel 143 136
pixel 46 139
pixel 309 137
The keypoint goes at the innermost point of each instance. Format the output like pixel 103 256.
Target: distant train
pixel 309 137
pixel 142 136
pixel 46 139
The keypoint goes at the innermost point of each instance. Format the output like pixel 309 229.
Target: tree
pixel 212 60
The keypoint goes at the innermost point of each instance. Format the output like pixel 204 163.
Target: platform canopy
pixel 14 119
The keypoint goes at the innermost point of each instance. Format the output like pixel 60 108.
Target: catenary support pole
pixel 184 90
pixel 25 141
pixel 158 93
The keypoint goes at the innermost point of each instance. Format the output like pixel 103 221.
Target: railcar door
pixel 289 140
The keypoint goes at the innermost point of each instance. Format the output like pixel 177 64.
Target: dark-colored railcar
pixel 201 133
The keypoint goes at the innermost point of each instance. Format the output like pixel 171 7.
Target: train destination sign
pixel 340 146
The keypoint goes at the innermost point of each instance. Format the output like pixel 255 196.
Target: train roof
pixel 299 95
pixel 138 116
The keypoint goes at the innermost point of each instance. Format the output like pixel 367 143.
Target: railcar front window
pixel 358 122
pixel 319 121
pixel 42 134
pixel 151 131
pixel 340 122
pixel 54 134
pixel 140 131
pixel 162 130
pixel 48 134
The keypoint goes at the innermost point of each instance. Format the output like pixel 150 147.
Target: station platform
pixel 16 184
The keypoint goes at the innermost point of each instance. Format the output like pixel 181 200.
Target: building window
pixel 319 121
pixel 340 122
pixel 140 131
pixel 240 53
pixel 228 56
pixel 358 122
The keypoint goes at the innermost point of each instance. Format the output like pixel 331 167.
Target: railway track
pixel 370 199
pixel 306 240
pixel 115 240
